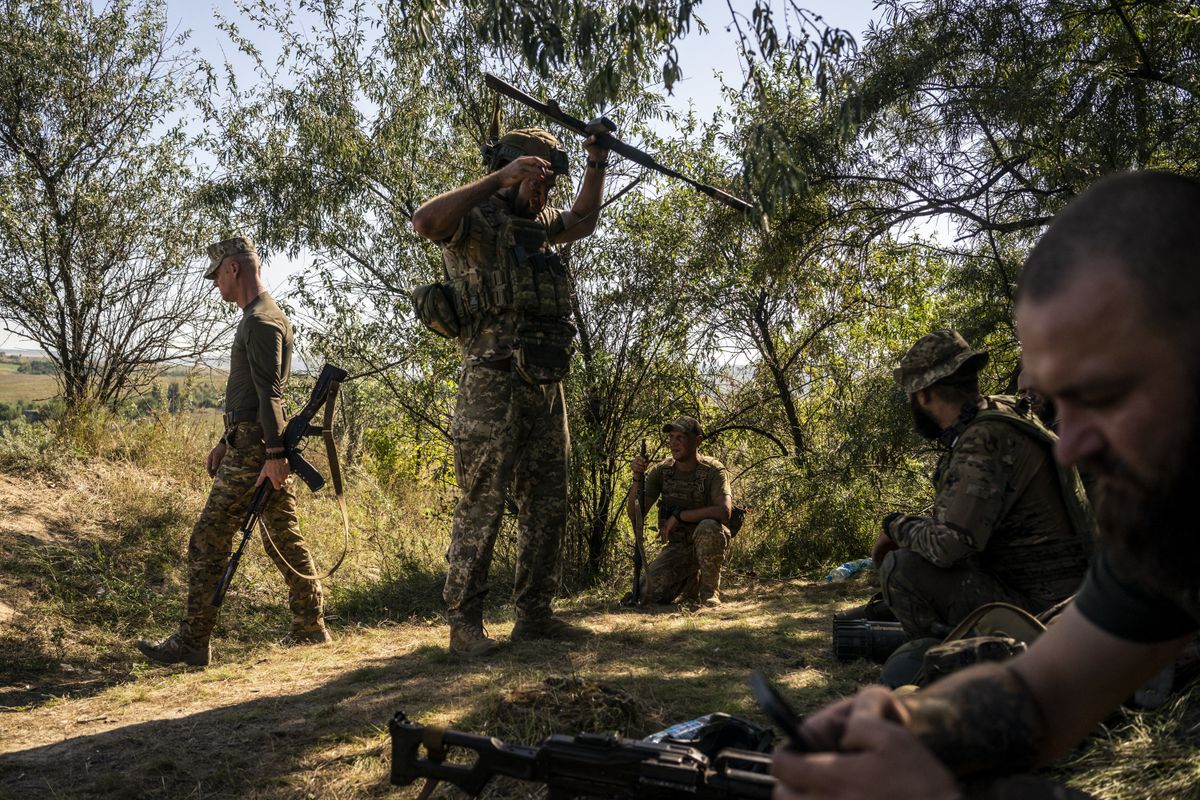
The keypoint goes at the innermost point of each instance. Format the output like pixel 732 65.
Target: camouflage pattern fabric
pixel 508 435
pixel 928 600
pixel 688 565
pixel 1001 530
pixel 219 251
pixel 212 537
pixel 477 263
pixel 935 356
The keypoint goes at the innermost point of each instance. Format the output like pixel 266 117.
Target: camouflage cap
pixel 684 425
pixel 225 248
pixel 936 356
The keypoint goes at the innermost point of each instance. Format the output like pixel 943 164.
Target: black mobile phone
pixel 779 712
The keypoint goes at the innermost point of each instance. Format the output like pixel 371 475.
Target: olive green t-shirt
pixel 260 364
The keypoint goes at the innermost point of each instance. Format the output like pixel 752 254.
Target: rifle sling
pixel 335 477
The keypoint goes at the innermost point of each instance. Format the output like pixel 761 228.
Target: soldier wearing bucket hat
pixel 506 299
pixel 694 509
pixel 1007 525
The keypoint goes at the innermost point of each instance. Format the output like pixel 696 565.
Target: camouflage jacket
pixel 1003 502
pixel 707 485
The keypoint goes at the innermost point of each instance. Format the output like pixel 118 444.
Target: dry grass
pixel 91 555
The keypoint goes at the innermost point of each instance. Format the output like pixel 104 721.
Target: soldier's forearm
pixel 437 219
pixel 981 719
pixel 693 515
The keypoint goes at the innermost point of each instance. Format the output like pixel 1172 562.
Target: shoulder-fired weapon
pixel 298 427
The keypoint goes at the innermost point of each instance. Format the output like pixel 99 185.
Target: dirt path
pixel 311 722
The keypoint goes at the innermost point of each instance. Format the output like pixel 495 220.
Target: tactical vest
pixel 1074 497
pixel 682 490
pixel 526 277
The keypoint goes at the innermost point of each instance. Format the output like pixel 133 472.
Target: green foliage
pixel 96 227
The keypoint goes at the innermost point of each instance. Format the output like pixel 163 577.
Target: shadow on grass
pixel 332 739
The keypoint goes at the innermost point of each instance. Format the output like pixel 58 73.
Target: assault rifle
pixel 588 765
pixel 639 536
pixel 298 427
pixel 603 128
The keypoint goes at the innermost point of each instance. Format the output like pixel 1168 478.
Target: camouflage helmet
pixel 936 356
pixel 526 142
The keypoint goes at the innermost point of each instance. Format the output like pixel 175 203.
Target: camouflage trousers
pixel 212 539
pixel 928 600
pixel 509 436
pixel 689 565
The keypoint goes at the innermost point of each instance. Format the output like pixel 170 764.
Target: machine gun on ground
pixel 587 765
pixel 298 427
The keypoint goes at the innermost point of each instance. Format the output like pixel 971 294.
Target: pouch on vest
pixel 542 351
pixel 435 306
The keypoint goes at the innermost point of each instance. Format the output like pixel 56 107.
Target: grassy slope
pixel 90 557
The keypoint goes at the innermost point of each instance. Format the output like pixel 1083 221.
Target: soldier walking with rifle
pixel 250 452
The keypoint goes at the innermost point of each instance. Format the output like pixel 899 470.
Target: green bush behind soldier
pixel 510 427
pixel 1007 525
pixel 694 508
pixel 249 452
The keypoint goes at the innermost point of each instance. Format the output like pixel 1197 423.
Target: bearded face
pixel 1151 527
pixel 923 421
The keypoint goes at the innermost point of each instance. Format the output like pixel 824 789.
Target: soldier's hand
pixel 638 466
pixel 594 151
pixel 277 470
pixel 664 532
pixel 213 463
pixel 884 544
pixel 876 755
pixel 523 168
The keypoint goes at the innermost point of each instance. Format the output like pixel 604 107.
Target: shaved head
pixel 1145 225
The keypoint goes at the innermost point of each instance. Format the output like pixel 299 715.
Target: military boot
pixel 302 637
pixel 548 627
pixel 174 650
pixel 468 638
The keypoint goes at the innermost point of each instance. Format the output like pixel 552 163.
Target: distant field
pixel 19 386
pixel 16 386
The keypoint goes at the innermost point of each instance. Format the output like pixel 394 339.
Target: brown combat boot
pixel 174 650
pixel 318 636
pixel 547 627
pixel 468 638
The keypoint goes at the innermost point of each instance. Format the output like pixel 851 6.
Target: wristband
pixel 678 514
pixel 277 456
pixel 600 165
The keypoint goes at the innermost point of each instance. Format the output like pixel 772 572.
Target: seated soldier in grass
pixel 693 511
pixel 1007 525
